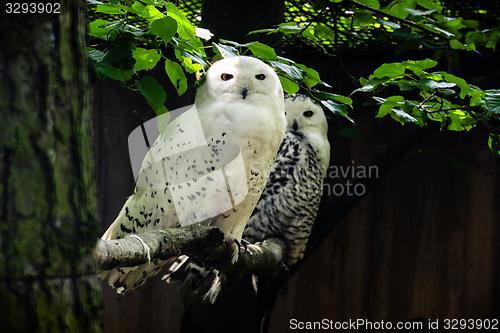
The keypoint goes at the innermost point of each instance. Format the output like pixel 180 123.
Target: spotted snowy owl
pixel 290 201
pixel 239 104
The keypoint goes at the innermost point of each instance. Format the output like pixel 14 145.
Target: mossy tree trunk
pixel 47 196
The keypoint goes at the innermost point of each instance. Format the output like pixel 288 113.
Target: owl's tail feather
pixel 125 279
pixel 196 278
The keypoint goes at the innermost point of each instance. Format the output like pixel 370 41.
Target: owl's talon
pixel 144 245
pixel 235 247
pixel 246 244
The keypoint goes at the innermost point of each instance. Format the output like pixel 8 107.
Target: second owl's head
pixel 303 114
pixel 241 77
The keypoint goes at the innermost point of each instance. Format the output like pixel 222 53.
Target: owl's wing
pixel 290 202
pixel 151 205
pixel 286 210
pixel 146 209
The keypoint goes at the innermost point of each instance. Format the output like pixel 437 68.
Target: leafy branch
pixel 136 38
pixel 125 52
pixel 432 97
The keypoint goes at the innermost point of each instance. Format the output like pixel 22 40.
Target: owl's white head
pixel 241 78
pixel 306 117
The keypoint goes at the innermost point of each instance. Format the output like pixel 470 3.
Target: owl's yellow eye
pixel 260 76
pixel 226 76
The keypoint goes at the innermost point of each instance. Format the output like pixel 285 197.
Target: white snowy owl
pixel 290 201
pixel 239 104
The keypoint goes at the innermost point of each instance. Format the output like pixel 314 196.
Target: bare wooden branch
pixel 205 244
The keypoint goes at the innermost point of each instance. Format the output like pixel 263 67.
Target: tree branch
pixel 198 241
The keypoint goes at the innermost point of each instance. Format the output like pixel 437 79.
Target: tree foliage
pixel 128 39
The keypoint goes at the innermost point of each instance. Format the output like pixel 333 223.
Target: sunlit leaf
pixel 372 3
pixel 289 86
pixel 225 50
pixel 292 71
pixel 145 59
pixel 390 70
pixel 262 50
pixel 165 28
pixel 97 28
pixel 176 76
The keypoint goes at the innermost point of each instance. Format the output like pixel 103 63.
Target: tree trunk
pixel 47 195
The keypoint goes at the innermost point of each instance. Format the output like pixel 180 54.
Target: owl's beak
pixel 244 92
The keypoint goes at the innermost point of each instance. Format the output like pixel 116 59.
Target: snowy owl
pixel 290 201
pixel 239 104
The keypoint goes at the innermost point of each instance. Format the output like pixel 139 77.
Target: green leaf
pixel 455 44
pixel 289 86
pixel 363 17
pixel 225 51
pixel 460 121
pixel 365 88
pixel 96 28
pixel 149 12
pixel 114 73
pixel 185 28
pixel 431 84
pixel 402 116
pixel 334 97
pixel 390 70
pixel 492 101
pixel 145 59
pixel 399 8
pixel 187 63
pixel 430 4
pixel 465 89
pixel 392 106
pixel 111 9
pixel 289 28
pixel 389 24
pixel 176 76
pixel 138 7
pixel 416 12
pixel 95 55
pixel 260 31
pixel 120 54
pixel 372 3
pixel 230 42
pixel 494 143
pixel 153 92
pixel 196 57
pixel 165 28
pixel 262 50
pixel 419 66
pixel 406 85
pixel 291 70
pixel 311 77
pixel 337 108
